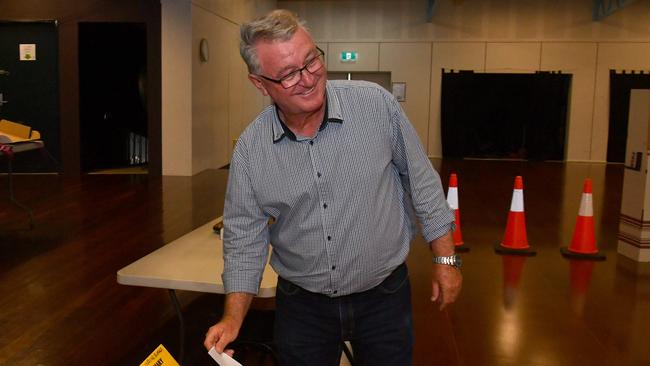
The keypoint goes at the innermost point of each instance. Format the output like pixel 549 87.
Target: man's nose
pixel 307 78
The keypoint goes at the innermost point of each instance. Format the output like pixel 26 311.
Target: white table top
pixel 193 262
pixel 17 147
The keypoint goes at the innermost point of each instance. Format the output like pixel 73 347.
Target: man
pixel 341 170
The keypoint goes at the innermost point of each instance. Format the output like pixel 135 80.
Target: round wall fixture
pixel 204 50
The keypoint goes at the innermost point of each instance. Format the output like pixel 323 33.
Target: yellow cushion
pixel 16 132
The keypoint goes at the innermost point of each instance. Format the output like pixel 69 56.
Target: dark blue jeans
pixel 310 327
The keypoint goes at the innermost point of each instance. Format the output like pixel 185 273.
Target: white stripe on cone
pixel 452 197
pixel 586 205
pixel 517 204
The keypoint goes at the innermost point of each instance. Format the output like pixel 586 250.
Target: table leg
pixel 181 321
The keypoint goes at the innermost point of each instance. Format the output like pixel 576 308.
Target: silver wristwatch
pixel 450 260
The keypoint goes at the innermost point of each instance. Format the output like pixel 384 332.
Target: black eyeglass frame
pixel 309 62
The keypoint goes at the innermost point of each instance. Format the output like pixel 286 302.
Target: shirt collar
pixel 332 114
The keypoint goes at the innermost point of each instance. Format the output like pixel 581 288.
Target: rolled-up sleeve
pixel 418 177
pixel 246 235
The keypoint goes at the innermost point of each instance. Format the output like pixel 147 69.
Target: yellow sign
pixel 160 357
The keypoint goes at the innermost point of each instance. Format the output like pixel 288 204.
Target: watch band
pixel 450 260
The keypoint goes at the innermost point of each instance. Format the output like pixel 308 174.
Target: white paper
pixel 399 91
pixel 222 358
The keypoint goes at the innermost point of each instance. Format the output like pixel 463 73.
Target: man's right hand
pixel 227 329
pixel 220 335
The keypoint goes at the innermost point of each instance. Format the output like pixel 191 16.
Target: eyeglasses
pixel 291 79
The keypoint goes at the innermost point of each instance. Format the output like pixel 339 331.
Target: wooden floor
pixel 60 303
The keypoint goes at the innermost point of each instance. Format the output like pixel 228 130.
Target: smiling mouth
pixel 309 91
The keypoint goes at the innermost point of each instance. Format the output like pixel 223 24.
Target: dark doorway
pixel 112 74
pixel 620 85
pixel 504 116
pixel 30 88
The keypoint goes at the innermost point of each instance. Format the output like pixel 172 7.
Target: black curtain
pixel 620 85
pixel 520 116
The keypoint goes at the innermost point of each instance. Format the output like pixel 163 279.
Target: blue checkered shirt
pixel 345 202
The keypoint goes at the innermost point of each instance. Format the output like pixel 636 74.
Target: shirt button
pixel 333 268
pixel 324 205
pixel 318 174
pixel 329 238
pixel 311 142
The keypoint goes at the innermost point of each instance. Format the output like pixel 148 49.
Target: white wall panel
pixel 579 60
pixel 612 56
pixel 516 57
pixel 411 63
pixel 176 59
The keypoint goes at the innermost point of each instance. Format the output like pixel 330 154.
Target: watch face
pixel 457 261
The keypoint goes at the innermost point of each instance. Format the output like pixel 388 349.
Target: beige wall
pixel 368 57
pixel 579 60
pixel 496 36
pixel 210 90
pixel 205 104
pixel 512 57
pixel 176 57
pixel 409 63
pixel 469 20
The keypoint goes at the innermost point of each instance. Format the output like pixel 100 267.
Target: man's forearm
pixel 443 246
pixel 236 307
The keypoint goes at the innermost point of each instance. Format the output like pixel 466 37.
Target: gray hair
pixel 278 25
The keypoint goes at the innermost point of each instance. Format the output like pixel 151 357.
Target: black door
pixel 112 78
pixel 30 89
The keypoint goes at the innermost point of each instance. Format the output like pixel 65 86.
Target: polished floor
pixel 60 303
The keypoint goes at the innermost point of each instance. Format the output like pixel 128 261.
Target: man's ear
pixel 258 84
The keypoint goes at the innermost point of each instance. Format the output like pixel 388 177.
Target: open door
pixel 112 78
pixel 29 87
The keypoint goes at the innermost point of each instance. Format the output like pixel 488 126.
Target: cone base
pixel 598 256
pixel 461 248
pixel 500 249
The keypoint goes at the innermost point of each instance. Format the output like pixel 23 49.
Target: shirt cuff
pixel 241 281
pixel 442 227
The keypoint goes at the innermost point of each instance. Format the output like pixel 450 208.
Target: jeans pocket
pixel 394 282
pixel 287 288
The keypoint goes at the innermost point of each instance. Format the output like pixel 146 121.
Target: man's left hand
pixel 446 284
pixel 446 280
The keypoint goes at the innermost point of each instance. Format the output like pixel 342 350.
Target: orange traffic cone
pixel 583 244
pixel 452 200
pixel 515 240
